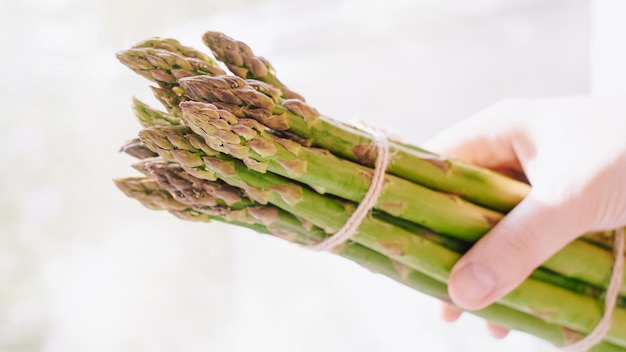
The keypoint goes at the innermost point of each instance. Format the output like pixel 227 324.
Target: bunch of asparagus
pixel 246 150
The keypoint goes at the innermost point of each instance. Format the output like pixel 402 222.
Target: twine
pixel 610 300
pixel 381 143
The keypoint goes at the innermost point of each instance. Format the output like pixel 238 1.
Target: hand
pixel 573 153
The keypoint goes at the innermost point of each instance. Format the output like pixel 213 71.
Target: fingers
pixel 497 331
pixel 450 313
pixel 528 236
pixel 485 139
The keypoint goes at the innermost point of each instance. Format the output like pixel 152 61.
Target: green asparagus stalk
pixel 246 139
pixel 554 304
pixel 271 220
pixel 241 61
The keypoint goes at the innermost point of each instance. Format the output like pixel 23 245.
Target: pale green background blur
pixel 82 268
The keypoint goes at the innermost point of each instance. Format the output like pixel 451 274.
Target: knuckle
pixel 517 244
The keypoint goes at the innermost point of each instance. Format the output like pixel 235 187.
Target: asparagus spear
pixel 271 220
pixel 241 61
pixel 165 67
pixel 137 149
pixel 554 304
pixel 149 193
pixel 148 116
pixel 174 46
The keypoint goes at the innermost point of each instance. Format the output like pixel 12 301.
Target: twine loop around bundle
pixel 381 143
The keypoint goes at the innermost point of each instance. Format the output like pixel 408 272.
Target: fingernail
pixel 470 285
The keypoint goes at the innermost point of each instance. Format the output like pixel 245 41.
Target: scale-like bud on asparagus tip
pixel 148 193
pixel 238 137
pixel 172 178
pixel 173 45
pixel 237 56
pixel 222 130
pixel 242 62
pixel 238 97
pixel 180 144
pixel 265 88
pixel 148 116
pixel 142 165
pixel 191 190
pixel 155 139
pixel 136 148
pixel 227 89
pixel 302 109
pixel 164 67
pixel 169 99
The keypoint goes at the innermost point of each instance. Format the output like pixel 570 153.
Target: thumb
pixel 528 236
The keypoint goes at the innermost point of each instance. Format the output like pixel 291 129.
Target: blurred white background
pixel 82 268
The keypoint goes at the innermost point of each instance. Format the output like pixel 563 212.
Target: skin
pixel 572 150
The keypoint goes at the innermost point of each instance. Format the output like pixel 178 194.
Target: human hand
pixel 573 152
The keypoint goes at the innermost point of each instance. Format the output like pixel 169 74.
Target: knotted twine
pixel 381 143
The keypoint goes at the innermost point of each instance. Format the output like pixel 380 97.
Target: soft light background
pixel 82 268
